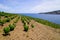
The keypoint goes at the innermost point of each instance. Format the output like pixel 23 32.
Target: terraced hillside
pixel 19 27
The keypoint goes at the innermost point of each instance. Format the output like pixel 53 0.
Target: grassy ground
pixel 45 22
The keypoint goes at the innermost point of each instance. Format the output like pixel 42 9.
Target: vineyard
pixel 20 27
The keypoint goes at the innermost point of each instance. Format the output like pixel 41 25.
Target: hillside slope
pixel 52 12
pixel 39 32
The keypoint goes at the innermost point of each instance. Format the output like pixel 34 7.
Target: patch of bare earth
pixel 5 25
pixel 39 32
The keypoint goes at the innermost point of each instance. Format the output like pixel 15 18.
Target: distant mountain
pixel 53 12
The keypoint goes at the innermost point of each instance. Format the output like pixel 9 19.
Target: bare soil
pixel 39 32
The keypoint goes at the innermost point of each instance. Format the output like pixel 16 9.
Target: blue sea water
pixel 50 17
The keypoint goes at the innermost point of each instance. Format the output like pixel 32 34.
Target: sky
pixel 29 6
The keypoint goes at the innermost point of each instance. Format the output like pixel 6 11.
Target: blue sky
pixel 29 6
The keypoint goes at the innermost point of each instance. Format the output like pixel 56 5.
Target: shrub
pixel 6 16
pixel 14 24
pixel 11 27
pixel 28 22
pixel 22 21
pixel 26 28
pixel 7 20
pixel 12 17
pixel 0 17
pixel 32 26
pixel 15 21
pixel 6 30
pixel 1 22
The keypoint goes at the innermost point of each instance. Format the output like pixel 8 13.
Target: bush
pixel 7 20
pixel 11 27
pixel 0 17
pixel 28 22
pixel 14 24
pixel 32 26
pixel 6 16
pixel 12 17
pixel 22 21
pixel 1 22
pixel 6 30
pixel 15 21
pixel 26 28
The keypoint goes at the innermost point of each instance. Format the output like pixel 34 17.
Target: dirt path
pixel 39 32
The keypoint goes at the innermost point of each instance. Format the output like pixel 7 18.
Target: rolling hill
pixel 52 12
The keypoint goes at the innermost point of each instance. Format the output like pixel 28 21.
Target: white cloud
pixel 33 7
pixel 4 7
pixel 47 6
